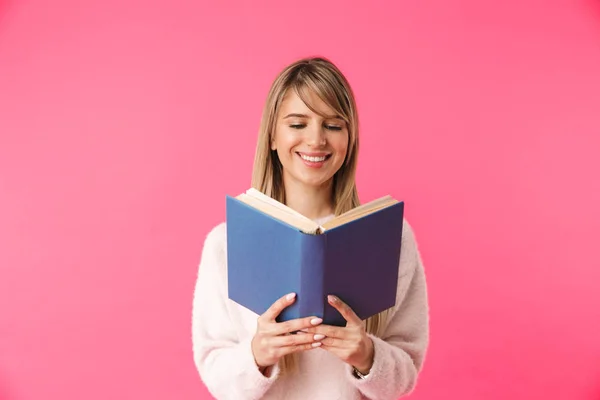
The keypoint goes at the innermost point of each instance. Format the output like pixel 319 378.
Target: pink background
pixel 117 116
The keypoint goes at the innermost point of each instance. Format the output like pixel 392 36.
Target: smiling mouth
pixel 317 159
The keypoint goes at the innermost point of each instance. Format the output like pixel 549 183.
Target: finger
pixel 337 351
pixel 285 350
pixel 295 325
pixel 296 340
pixel 277 307
pixel 333 342
pixel 302 347
pixel 344 309
pixel 328 330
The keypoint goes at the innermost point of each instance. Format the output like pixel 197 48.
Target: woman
pixel 306 158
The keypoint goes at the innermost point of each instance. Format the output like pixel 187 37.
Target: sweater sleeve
pixel 225 364
pixel 400 351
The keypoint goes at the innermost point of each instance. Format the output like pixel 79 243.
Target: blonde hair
pixel 321 77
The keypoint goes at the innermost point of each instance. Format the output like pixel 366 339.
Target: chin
pixel 315 182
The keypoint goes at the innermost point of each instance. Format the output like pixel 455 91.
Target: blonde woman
pixel 306 158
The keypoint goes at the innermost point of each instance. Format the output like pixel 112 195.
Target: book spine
pixel 312 299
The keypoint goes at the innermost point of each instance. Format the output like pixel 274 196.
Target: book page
pixel 360 211
pixel 279 211
pixel 257 194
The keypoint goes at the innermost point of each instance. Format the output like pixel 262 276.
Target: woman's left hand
pixel 350 343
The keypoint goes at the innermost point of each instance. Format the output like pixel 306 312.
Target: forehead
pixel 293 103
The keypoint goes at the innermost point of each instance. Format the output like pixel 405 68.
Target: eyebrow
pixel 306 116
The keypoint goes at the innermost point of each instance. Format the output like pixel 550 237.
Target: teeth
pixel 312 159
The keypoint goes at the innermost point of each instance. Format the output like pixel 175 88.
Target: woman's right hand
pixel 274 340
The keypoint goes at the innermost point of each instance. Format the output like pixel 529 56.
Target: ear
pixel 273 145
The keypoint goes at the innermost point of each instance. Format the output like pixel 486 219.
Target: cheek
pixel 340 144
pixel 287 141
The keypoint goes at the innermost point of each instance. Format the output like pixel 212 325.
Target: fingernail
pixel 319 337
pixel 316 344
pixel 332 299
pixel 316 321
pixel 290 296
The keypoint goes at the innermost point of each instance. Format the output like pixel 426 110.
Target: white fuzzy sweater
pixel 222 332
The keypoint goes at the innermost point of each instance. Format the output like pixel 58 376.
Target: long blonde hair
pixel 322 77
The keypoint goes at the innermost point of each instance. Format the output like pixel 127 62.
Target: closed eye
pixel 329 127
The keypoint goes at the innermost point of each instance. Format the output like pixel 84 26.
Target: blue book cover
pixel 272 252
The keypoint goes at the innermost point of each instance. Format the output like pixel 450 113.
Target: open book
pixel 273 250
pixel 270 206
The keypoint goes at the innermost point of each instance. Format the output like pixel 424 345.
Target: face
pixel 311 148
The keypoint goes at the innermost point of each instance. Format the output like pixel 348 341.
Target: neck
pixel 312 202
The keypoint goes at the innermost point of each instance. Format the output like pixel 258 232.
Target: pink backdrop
pixel 116 119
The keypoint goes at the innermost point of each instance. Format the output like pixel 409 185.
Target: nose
pixel 316 136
